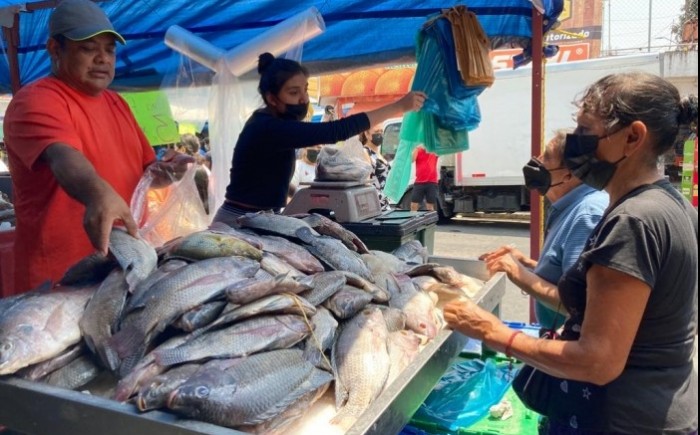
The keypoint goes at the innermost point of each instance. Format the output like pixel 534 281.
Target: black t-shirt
pixel 649 235
pixel 263 160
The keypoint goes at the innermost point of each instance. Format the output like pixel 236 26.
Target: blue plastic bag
pixel 465 393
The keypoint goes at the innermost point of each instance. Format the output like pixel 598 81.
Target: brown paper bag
pixel 472 47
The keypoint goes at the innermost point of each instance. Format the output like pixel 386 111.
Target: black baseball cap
pixel 78 20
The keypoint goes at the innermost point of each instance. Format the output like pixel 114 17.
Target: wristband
pixel 510 343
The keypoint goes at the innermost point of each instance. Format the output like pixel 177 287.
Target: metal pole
pixel 649 30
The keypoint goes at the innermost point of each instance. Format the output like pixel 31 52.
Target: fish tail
pixel 344 419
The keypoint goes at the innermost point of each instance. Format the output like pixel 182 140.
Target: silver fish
pixel 101 317
pixel 244 338
pixel 135 256
pixel 275 224
pixel 38 326
pixel 75 374
pixel 250 393
pixel 39 370
pixel 323 286
pixel 293 254
pixel 334 253
pixel 324 328
pixel 348 301
pixel 331 228
pixel 175 294
pixel 155 393
pixel 199 317
pixel 286 303
pixel 363 338
pixel 419 308
pixel 275 266
pixel 201 245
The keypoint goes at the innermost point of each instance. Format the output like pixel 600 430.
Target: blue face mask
pixel 296 112
pixel 579 157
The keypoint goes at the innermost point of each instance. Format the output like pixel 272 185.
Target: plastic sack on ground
pixel 465 393
pixel 348 162
pixel 168 212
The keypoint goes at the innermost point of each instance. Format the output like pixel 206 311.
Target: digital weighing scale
pixel 350 201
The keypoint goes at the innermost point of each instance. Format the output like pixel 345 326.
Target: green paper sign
pixel 152 111
pixel 688 166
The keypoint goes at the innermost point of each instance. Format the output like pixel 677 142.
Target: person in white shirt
pixel 305 171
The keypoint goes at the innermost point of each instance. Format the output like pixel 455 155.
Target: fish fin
pixel 126 342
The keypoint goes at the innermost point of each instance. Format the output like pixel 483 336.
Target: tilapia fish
pixel 244 338
pixel 348 301
pixel 209 244
pixel 295 255
pixel 172 296
pixel 135 256
pixel 90 270
pixel 249 393
pixel 39 326
pixel 419 308
pixel 403 346
pixel 101 317
pixel 328 227
pixel 334 253
pixel 322 338
pixel 275 224
pixel 357 383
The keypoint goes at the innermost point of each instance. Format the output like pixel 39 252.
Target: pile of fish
pixel 241 327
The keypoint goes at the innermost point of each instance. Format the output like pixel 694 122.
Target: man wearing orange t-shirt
pixel 76 152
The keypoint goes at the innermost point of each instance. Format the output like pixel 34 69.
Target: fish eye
pixel 201 392
pixel 6 347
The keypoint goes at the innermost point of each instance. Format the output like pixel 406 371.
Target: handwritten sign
pixel 152 112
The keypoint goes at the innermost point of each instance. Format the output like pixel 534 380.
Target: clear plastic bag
pixel 348 162
pixel 164 213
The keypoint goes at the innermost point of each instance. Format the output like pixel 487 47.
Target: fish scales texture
pixel 348 301
pixel 75 374
pixel 180 291
pixel 145 369
pixel 361 365
pixel 275 224
pixel 155 393
pixel 39 326
pixel 259 388
pixel 135 256
pixel 101 316
pixel 323 286
pixel 285 303
pixel 275 266
pixel 39 370
pixel 403 347
pixel 333 252
pixel 243 338
pixel 325 327
pixel 199 317
pixel 295 255
pixel 412 252
pixel 165 268
pixel 328 227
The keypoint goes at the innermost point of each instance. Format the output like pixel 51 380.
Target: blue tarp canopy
pixel 359 33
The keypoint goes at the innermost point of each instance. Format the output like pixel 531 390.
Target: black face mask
pixel 312 155
pixel 579 157
pixel 296 112
pixel 537 177
pixel 377 139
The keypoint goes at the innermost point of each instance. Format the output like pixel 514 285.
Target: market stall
pixel 34 408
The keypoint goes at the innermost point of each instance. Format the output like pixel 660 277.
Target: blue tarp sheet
pixel 359 33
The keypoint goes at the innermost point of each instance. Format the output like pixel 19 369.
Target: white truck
pixel 488 177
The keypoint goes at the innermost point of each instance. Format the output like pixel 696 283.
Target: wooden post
pixel 12 37
pixel 537 112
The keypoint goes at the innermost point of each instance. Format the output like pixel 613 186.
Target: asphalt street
pixel 469 238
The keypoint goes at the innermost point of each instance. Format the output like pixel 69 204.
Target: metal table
pixel 34 408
